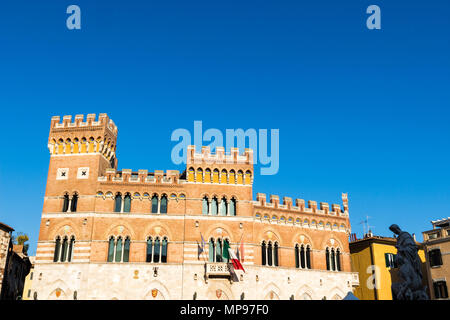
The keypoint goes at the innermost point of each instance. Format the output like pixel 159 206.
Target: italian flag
pixel 235 261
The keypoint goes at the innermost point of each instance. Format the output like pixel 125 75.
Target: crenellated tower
pixel 80 152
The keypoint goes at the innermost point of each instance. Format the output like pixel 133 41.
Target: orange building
pixel 122 234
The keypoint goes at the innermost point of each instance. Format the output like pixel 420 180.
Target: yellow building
pixel 28 280
pixel 373 258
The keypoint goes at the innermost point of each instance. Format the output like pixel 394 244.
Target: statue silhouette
pixel 409 268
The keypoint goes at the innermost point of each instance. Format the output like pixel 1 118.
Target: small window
pixel 435 257
pixel 440 289
pixel 390 259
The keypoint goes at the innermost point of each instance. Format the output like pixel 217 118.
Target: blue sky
pixel 359 111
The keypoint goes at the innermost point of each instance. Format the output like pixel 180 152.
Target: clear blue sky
pixel 359 111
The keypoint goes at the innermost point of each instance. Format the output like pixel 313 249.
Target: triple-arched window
pixel 303 256
pixel 333 259
pixel 70 203
pixel 269 253
pixel 63 249
pixel 218 250
pixel 224 207
pixel 119 249
pixel 157 249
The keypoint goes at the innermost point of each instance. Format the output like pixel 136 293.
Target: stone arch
pixel 150 230
pixel 304 293
pixel 115 230
pixel 60 292
pixel 297 239
pixel 332 242
pixel 271 292
pixel 264 235
pixel 157 291
pixel 58 229
pixel 336 294
pixel 211 232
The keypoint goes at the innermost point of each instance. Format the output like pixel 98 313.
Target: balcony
pixel 217 270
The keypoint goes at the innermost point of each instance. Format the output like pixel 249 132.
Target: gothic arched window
pixel 205 205
pixel 211 250
pixel 263 253
pixel 297 252
pixel 223 207
pixel 111 249
pixel 155 204
pixel 214 206
pixel 119 249
pixel 149 249
pixel 327 258
pixel 164 250
pixel 74 203
pixel 126 250
pixel 232 207
pixel 118 202
pixel 57 249
pixel 127 203
pixel 338 260
pixel 157 250
pixel 275 254
pixel 163 208
pixel 65 203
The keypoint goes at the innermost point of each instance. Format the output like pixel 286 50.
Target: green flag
pixel 225 253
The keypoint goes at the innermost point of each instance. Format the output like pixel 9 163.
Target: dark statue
pixel 409 268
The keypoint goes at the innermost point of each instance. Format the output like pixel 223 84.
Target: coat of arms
pixel 218 293
pixel 154 293
pixel 58 292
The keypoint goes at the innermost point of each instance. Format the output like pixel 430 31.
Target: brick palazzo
pixel 110 234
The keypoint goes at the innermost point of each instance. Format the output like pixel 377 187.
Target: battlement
pixel 103 121
pixel 220 157
pixel 80 137
pixel 140 176
pixel 287 204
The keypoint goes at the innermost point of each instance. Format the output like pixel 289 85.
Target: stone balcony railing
pixel 217 269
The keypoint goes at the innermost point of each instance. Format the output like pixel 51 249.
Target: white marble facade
pixel 138 281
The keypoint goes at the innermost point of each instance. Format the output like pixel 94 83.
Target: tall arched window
pixel 126 250
pixel 232 207
pixel 214 206
pixel 57 249
pixel 275 254
pixel 65 203
pixel 163 208
pixel 157 250
pixel 338 260
pixel 149 249
pixel 269 253
pixel 263 253
pixel 308 257
pixel 297 255
pixel 302 257
pixel 118 202
pixel 119 249
pixel 164 250
pixel 65 245
pixel 205 205
pixel 327 258
pixel 127 203
pixel 223 207
pixel 333 261
pixel 223 176
pixel 211 250
pixel 71 245
pixel 225 253
pixel 219 250
pixel 155 204
pixel 111 249
pixel 73 207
